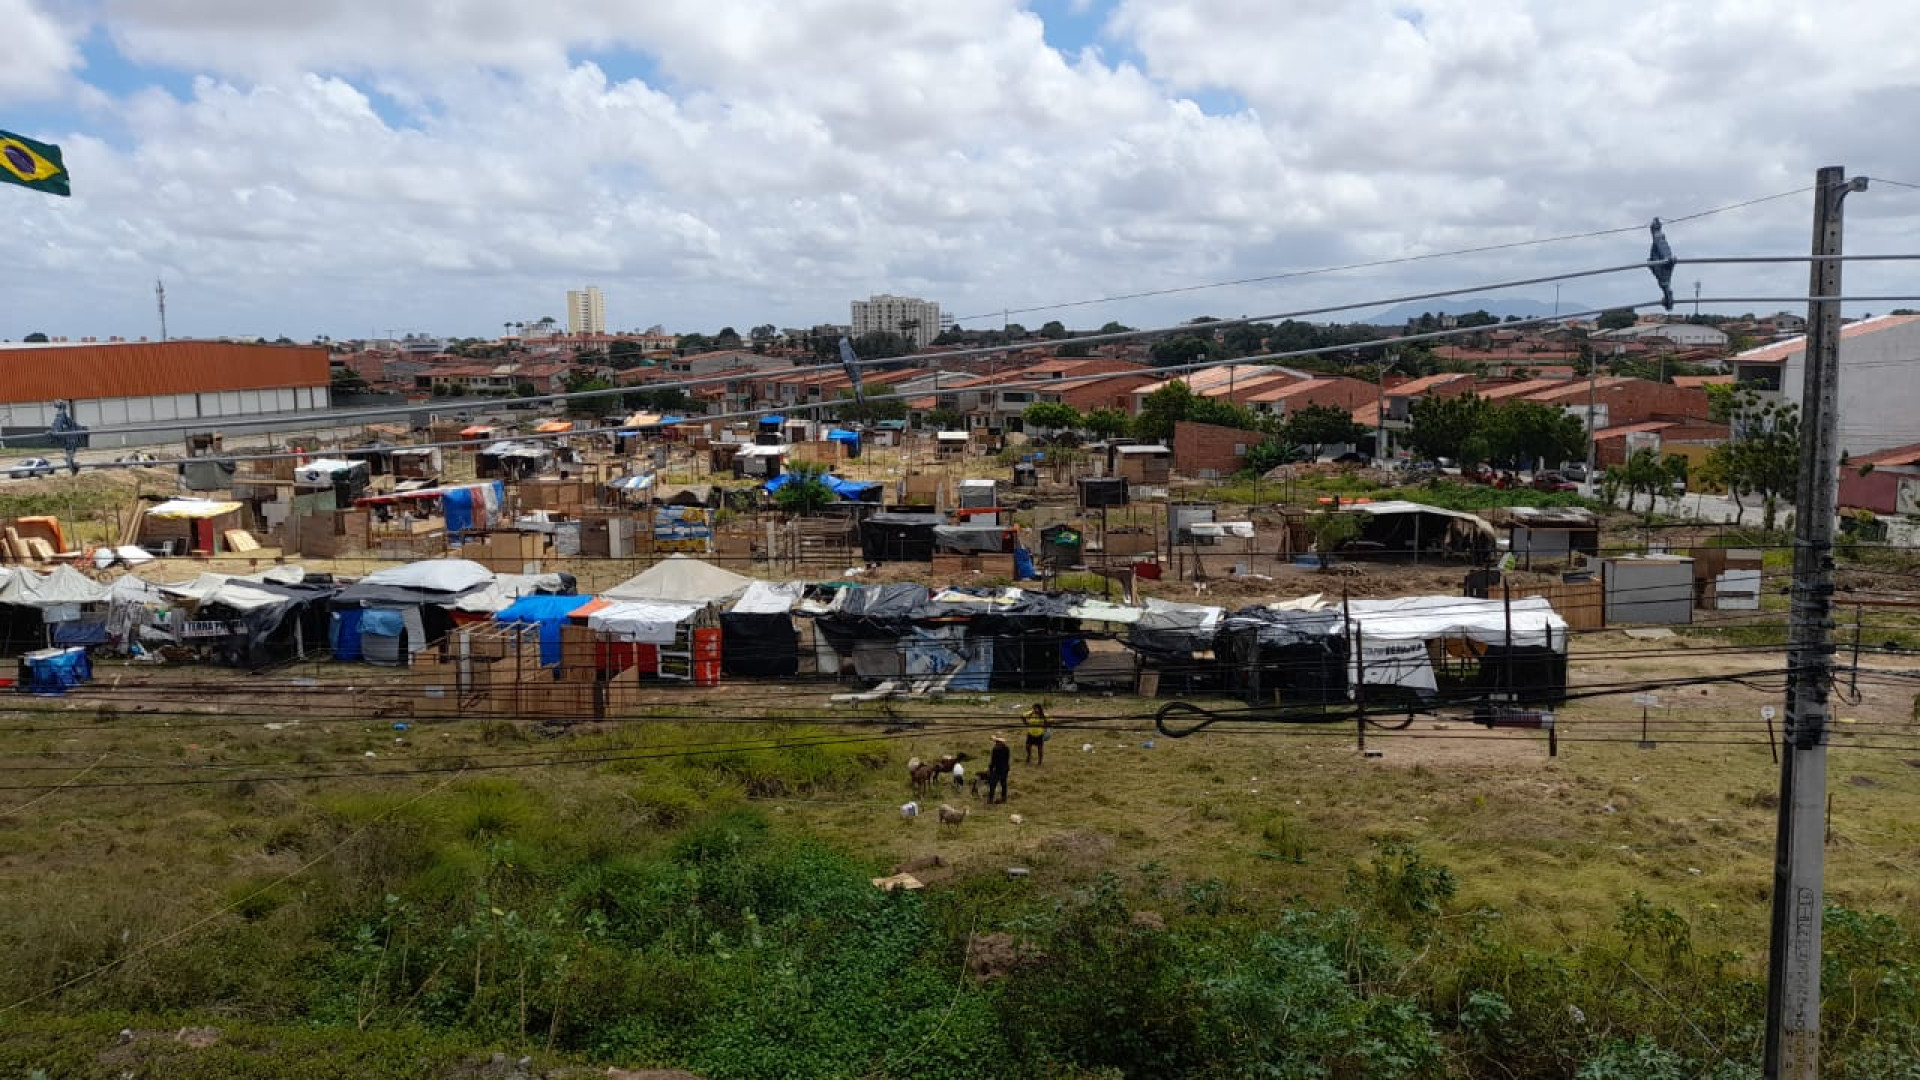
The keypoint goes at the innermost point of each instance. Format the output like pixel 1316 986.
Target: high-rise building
pixel 586 311
pixel 911 318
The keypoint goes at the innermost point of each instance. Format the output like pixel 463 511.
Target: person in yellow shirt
pixel 1038 723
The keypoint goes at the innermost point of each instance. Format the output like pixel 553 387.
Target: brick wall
pixel 1113 393
pixel 1210 450
pixel 1632 401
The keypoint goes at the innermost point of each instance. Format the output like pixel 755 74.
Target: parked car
pixel 1354 457
pixel 33 466
pixel 1575 472
pixel 1553 481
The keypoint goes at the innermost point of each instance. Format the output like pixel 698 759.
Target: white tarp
pixel 1410 618
pixel 63 585
pixel 439 575
pixel 681 580
pixel 318 472
pixel 1242 529
pixel 769 598
pixel 507 588
pixel 646 623
pixel 192 508
pixel 1387 507
pixel 1393 662
pixel 1104 611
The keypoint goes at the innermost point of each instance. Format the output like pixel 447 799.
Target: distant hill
pixel 1525 309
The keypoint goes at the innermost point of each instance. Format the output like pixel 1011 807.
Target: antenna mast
pixel 160 298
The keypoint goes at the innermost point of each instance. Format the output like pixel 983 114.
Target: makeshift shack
pixel 758 631
pixel 1394 529
pixel 1176 642
pixel 255 620
pixel 1400 648
pixel 1285 655
pixel 1654 589
pixel 951 444
pixel 1552 534
pixel 510 460
pixel 180 526
pixel 1141 463
pixel 762 460
pixel 899 537
pixel 389 615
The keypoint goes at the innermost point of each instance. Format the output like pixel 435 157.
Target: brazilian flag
pixel 32 164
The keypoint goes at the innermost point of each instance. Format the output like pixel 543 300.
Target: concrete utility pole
pixel 1380 414
pixel 1793 959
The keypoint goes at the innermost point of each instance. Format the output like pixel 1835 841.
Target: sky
pixel 364 167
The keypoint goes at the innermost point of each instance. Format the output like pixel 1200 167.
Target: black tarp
pixel 1531 673
pixel 22 629
pixel 970 539
pixel 763 644
pixel 272 633
pixel 899 537
pixel 1301 656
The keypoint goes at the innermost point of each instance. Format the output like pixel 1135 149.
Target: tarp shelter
pixel 896 537
pixel 871 624
pixel 136 608
pixel 1023 640
pixel 848 439
pixel 184 525
pixel 510 460
pixel 682 580
pixel 1396 529
pixel 416 462
pixel 550 613
pixel 1177 640
pixel 758 631
pixel 257 620
pixel 391 614
pixel 62 606
pixel 1524 654
pixel 465 507
pixel 1285 656
pixel 766 459
pixel 642 621
pixel 348 479
pixel 971 539
pixel 53 671
pixel 504 589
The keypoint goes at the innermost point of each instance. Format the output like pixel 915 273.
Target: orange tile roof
pixel 1899 455
pixel 1694 382
pixel 149 369
pixel 1629 429
pixel 1429 382
pixel 1778 352
pixel 1502 391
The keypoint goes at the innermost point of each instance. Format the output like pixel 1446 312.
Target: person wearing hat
pixel 999 764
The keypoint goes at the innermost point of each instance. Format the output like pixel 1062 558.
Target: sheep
pixel 950 816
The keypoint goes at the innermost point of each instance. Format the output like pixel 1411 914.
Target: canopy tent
pixel 1285 654
pixel 681 580
pixel 550 613
pixel 62 606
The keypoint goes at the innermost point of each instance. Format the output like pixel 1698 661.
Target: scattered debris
pixel 898 881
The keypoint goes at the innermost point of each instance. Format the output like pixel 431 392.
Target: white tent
pixel 439 575
pixel 681 580
pixel 769 598
pixel 1422 618
pixel 643 622
pixel 505 589
pixel 62 585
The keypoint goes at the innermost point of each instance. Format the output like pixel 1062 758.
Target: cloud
pixel 40 52
pixel 334 167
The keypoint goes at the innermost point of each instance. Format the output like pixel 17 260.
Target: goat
pixel 950 816
pixel 920 775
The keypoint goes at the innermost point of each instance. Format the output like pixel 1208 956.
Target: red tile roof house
pixel 1886 482
pixel 1235 383
pixel 1337 391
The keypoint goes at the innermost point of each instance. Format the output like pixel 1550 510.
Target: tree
pixel 806 491
pixel 944 419
pixel 727 338
pixel 692 343
pixel 1646 471
pixel 1247 339
pixel 1106 423
pixel 1447 428
pixel 1616 319
pixel 581 382
pixel 1763 456
pixel 625 354
pixel 525 389
pixel 664 399
pixel 38 337
pixel 1052 415
pixel 347 380
pixel 1476 318
pixel 764 332
pixel 1053 330
pixel 1271 454
pixel 1316 426
pixel 1519 433
pixel 1116 328
pixel 1174 402
pixel 851 411
pixel 876 345
pixel 1182 349
pixel 1015 332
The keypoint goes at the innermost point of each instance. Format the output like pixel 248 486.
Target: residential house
pixel 1887 482
pixel 1878 394
pixel 1335 391
pixel 1211 451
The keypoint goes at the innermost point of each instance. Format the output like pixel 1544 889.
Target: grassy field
pixel 415 925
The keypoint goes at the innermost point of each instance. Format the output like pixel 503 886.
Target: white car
pixel 26 467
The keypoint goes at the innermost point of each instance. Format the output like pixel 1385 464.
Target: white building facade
pixel 1879 392
pixel 912 318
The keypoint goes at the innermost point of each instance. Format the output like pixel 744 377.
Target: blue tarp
pixel 457 505
pixel 343 634
pixel 550 613
pixel 50 672
pixel 772 421
pixel 382 622
pixel 850 490
pixel 837 435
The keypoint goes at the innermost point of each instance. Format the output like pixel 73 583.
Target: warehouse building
pixel 202 384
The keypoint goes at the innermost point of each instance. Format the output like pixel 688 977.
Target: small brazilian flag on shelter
pixel 32 164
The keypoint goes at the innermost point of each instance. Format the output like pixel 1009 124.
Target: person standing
pixel 999 764
pixel 1038 723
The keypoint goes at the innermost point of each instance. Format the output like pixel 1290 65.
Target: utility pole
pixel 1593 388
pixel 160 298
pixel 1380 409
pixel 1793 958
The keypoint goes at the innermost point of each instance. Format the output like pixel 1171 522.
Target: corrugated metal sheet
pixel 147 369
